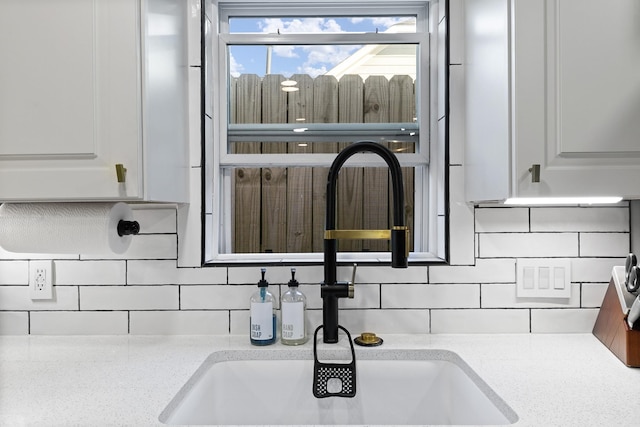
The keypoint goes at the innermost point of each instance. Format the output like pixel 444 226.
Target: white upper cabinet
pixel 89 84
pixel 554 83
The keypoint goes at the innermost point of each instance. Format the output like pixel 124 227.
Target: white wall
pixel 145 292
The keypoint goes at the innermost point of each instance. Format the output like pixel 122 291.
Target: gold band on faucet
pixel 357 234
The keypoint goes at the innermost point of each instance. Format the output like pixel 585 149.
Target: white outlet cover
pixel 41 289
pixel 543 278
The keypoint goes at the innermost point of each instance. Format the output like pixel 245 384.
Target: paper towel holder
pixel 126 228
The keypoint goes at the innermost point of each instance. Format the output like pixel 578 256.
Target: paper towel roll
pixel 63 227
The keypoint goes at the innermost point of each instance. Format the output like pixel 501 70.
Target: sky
pixel 288 60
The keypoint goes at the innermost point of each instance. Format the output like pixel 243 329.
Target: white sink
pixel 393 387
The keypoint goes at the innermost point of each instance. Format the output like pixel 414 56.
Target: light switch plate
pixel 543 278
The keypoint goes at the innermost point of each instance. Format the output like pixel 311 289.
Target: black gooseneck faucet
pixel 331 290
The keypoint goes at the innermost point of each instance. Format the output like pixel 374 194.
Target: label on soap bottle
pixel 261 321
pixel 292 320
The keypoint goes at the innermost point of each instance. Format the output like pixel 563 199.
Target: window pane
pixel 317 25
pixel 348 96
pixel 275 147
pixel 335 60
pixel 282 210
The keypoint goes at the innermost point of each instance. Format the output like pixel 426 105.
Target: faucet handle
pixel 352 283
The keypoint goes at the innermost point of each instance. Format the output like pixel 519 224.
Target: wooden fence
pixel 283 209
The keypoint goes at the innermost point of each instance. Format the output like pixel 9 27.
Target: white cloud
pixel 235 68
pixel 299 25
pixel 382 23
pixel 285 51
pixel 310 59
pixel 330 54
pixel 312 71
pixel 385 22
pixel 319 58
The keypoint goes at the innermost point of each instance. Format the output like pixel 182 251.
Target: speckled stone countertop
pixel 568 380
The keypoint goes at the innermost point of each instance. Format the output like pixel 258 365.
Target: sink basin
pixel 393 387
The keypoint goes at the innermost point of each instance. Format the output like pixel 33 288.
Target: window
pixel 293 84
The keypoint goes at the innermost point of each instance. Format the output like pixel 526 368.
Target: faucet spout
pixel 331 290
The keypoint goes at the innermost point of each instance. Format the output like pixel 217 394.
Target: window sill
pixel 363 258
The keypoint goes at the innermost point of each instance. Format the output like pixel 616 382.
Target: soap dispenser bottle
pixel 263 315
pixel 294 306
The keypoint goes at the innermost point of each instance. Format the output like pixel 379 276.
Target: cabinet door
pixel 577 97
pixel 70 104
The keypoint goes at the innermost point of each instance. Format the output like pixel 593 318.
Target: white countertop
pixel 548 380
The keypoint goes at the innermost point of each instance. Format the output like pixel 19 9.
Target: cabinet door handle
pixel 121 172
pixel 535 173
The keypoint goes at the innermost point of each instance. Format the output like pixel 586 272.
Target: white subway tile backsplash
pixel 153 247
pixel 190 229
pixel 364 296
pixel 592 270
pixel 528 245
pixel 604 244
pixel 563 320
pixel 274 275
pixel 461 241
pixel 179 322
pixel 129 298
pixel 502 220
pixel 282 275
pixel 16 298
pixel 14 272
pixel 503 295
pixel 431 296
pixel 14 322
pixel 80 323
pixel 15 256
pixel 615 219
pixel 218 297
pixel 147 294
pixel 144 246
pixel 456 114
pixel 240 322
pixel 386 274
pixel 384 321
pixel 155 220
pixel 479 321
pixel 593 294
pixel 90 272
pixel 484 271
pixel 442 245
pixel 166 272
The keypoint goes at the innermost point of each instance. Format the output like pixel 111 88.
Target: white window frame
pixel 428 227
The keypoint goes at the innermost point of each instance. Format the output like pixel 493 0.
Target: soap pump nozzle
pixel 263 283
pixel 293 283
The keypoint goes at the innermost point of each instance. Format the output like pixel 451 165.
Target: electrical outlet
pixel 41 279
